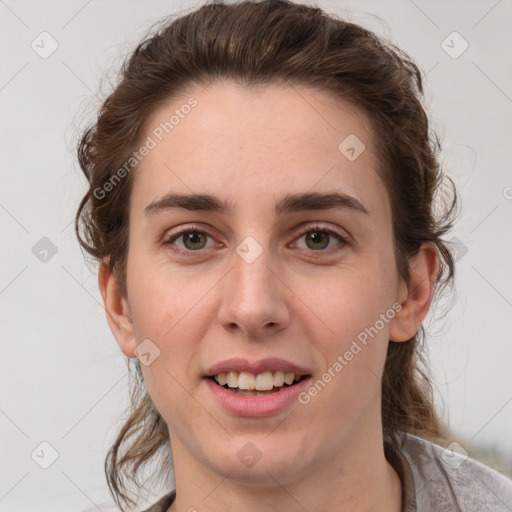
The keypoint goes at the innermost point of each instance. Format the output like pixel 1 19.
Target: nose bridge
pixel 252 271
pixel 254 298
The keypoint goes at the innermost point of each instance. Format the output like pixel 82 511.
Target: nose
pixel 255 300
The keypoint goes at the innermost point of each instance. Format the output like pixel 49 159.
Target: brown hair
pixel 254 44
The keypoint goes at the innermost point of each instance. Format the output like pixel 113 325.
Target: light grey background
pixel 63 377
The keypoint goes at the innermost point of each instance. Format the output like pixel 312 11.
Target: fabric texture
pixel 434 480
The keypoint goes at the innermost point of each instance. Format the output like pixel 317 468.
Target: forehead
pixel 250 146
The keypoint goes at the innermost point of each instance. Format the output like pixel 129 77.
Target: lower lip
pixel 254 406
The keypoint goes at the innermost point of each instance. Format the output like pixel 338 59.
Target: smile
pixel 248 384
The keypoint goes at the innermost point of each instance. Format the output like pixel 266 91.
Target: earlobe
pixel 117 309
pixel 415 296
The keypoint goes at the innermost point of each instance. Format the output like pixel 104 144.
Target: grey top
pixel 434 480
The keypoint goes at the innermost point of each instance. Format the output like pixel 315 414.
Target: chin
pixel 257 461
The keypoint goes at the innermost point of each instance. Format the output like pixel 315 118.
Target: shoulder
pixel 163 503
pixel 447 480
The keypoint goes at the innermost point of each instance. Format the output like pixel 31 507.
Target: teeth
pixel 288 377
pixel 262 382
pixel 232 379
pixel 246 380
pixel 278 378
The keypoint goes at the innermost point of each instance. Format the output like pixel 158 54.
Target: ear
pixel 416 295
pixel 117 308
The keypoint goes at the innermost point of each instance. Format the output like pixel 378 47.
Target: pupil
pixel 317 236
pixel 192 237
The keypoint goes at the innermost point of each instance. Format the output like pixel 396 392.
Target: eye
pixel 192 239
pixel 319 238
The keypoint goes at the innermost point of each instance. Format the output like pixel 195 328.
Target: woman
pixel 261 203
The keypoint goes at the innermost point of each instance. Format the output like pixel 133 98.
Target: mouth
pixel 262 384
pixel 257 388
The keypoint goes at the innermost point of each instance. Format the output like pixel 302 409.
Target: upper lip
pixel 269 364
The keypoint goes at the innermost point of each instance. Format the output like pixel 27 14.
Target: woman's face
pixel 248 289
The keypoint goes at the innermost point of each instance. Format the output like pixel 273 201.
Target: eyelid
pixel 312 226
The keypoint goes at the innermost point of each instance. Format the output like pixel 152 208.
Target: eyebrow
pixel 287 204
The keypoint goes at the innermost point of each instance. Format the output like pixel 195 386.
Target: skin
pixel 295 301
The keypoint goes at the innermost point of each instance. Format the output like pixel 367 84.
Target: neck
pixel 357 479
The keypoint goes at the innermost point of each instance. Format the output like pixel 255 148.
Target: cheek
pixel 352 358
pixel 353 300
pixel 357 309
pixel 163 298
pixel 165 313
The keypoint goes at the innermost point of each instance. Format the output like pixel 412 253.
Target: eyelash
pixel 168 241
